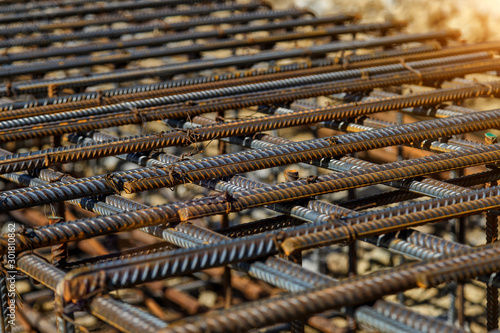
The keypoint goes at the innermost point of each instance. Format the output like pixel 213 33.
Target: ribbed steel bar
pixel 73 153
pixel 424 246
pixel 79 229
pixel 191 236
pixel 237 185
pixel 152 52
pixel 112 96
pixel 9 30
pixel 420 246
pixel 368 140
pixel 346 61
pixel 82 229
pixel 156 247
pixel 73 191
pixel 492 291
pixel 291 272
pixel 4 304
pixel 375 320
pixel 257 227
pixel 368 123
pixel 275 271
pixel 427 186
pixel 222 42
pixel 350 292
pixel 392 223
pixel 96 185
pixel 435 244
pixel 272 270
pixel 118 314
pixel 402 195
pixel 169 70
pixel 120 274
pixel 125 317
pixel 52 113
pixel 419 322
pixel 407 249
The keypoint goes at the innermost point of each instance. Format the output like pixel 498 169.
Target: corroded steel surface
pixel 330 132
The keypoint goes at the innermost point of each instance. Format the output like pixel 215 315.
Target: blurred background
pixel 476 20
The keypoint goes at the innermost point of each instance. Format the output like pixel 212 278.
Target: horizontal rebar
pixel 350 292
pixel 220 43
pixel 51 113
pixel 169 70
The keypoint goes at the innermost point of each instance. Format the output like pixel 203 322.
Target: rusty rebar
pixel 169 70
pixel 350 292
pixel 163 250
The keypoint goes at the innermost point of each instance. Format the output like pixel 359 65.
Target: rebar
pixel 170 70
pixel 191 153
pixel 161 52
pixel 419 322
pixel 353 292
pixel 50 113
pixel 120 315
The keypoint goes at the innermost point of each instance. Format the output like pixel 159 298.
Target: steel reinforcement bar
pixel 170 70
pixel 234 163
pixel 191 93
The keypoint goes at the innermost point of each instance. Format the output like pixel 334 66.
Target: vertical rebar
pixel 296 326
pixel 228 291
pixel 491 237
pixel 60 256
pixel 491 291
pixel 456 309
pixel 4 303
pixel 224 223
pixel 457 305
pixel 60 251
pixel 352 269
pixel 460 298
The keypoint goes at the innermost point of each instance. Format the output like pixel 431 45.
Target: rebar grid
pixel 122 210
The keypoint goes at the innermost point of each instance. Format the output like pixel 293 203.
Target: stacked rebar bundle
pixel 194 166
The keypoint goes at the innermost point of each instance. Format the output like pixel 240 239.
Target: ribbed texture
pixel 350 292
